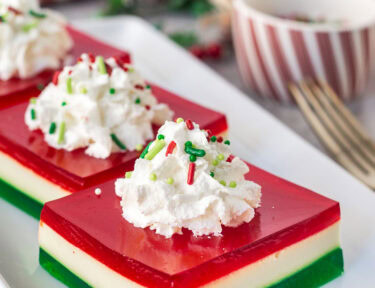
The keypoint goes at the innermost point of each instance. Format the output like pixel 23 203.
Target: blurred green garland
pixel 196 7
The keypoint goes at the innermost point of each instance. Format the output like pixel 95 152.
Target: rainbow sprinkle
pixel 146 150
pixel 37 14
pixel 33 114
pixel 69 87
pixel 52 128
pixel 158 146
pixel 232 184
pixel 61 137
pixel 153 177
pixel 118 142
pixel 101 65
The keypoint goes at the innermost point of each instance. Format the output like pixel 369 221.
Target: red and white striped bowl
pixel 272 51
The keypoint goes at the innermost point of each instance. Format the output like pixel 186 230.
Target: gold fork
pixel 337 128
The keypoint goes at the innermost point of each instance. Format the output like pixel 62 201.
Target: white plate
pixel 256 136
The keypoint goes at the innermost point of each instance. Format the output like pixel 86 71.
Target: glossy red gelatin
pixel 83 43
pixel 289 214
pixel 75 170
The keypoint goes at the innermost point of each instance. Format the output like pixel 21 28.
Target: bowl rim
pixel 251 12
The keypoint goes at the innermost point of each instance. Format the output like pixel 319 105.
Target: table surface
pixel 363 107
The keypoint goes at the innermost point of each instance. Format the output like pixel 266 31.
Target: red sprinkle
pixel 189 124
pixel 214 50
pixel 126 69
pixel 109 69
pixel 170 148
pixel 92 58
pixel 70 72
pixel 147 107
pixel 197 51
pixel 219 139
pixel 230 158
pixel 15 11
pixel 191 172
pixel 55 79
pixel 79 59
pixel 209 132
pixel 139 87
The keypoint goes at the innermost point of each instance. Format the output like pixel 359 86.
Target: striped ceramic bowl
pixel 331 40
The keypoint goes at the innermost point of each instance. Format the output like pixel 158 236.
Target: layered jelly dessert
pixel 88 126
pixel 35 42
pixel 190 214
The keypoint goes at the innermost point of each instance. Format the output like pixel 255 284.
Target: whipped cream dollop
pixel 31 39
pixel 187 179
pixel 104 105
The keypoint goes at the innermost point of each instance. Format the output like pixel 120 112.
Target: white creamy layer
pixel 264 272
pixel 28 182
pixel 157 193
pixel 103 105
pixel 31 39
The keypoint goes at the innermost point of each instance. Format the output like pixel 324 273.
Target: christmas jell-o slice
pixel 88 126
pixel 192 215
pixel 34 43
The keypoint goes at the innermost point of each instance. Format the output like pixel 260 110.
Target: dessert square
pixel 293 241
pixel 82 44
pixel 33 173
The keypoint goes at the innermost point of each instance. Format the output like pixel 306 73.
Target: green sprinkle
pixel 146 150
pixel 69 87
pixel 118 142
pixel 33 100
pixel 227 142
pixel 148 87
pixel 161 137
pixel 37 14
pixel 159 144
pixel 112 91
pixel 153 177
pixel 194 151
pixel 128 174
pixel 232 184
pixel 139 147
pixel 52 128
pixel 215 162
pixel 83 90
pixel 188 144
pixel 179 120
pixel 193 158
pixel 130 69
pixel 101 65
pixel 220 157
pixel 170 181
pixel 63 103
pixel 138 101
pixel 61 137
pixel 40 87
pixel 213 139
pixel 33 114
pixel 212 174
pixel 222 182
pixel 26 28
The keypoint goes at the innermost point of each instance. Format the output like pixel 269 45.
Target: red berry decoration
pixel 197 51
pixel 214 50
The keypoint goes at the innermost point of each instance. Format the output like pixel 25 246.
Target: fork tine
pixel 328 141
pixel 332 129
pixel 347 115
pixel 348 132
